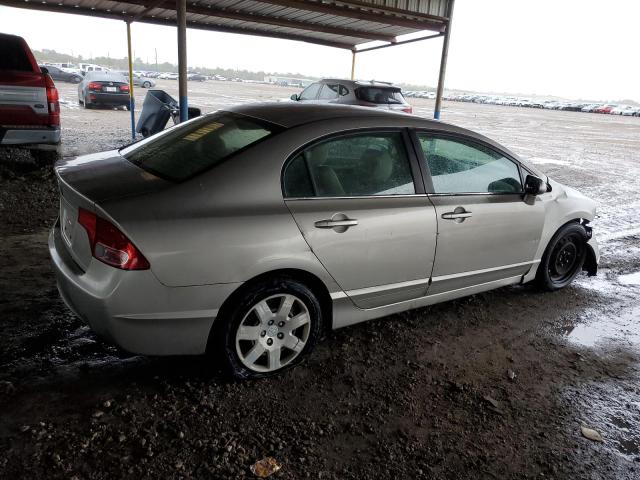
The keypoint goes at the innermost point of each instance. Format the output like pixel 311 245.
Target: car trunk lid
pixel 87 182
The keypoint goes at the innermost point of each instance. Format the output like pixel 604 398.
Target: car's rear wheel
pixel 271 327
pixel 86 104
pixel 146 85
pixel 76 80
pixel 564 257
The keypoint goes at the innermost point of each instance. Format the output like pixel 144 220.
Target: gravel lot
pixel 496 385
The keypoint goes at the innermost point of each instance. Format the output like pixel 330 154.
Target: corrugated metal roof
pixel 341 24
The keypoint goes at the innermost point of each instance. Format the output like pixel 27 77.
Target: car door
pixel 486 230
pixel 360 205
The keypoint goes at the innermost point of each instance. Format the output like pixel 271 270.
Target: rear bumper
pixel 118 99
pixel 29 136
pixel 133 309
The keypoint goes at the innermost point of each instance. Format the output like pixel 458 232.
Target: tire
pixel 76 80
pixel 277 316
pixel 146 85
pixel 86 104
pixel 44 158
pixel 563 258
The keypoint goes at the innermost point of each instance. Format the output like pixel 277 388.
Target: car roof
pixel 294 114
pixel 360 83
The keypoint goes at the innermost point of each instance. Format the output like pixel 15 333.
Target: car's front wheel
pixel 146 85
pixel 272 325
pixel 564 257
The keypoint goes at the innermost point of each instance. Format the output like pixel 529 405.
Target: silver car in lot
pixel 248 233
pixel 349 92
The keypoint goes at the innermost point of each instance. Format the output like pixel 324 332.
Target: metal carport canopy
pixel 332 23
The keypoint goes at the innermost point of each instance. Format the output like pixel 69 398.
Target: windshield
pixel 187 150
pixel 380 95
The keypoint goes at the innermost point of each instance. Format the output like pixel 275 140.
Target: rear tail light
pixel 124 88
pixel 110 245
pixel 52 100
pixel 94 86
pixel 409 109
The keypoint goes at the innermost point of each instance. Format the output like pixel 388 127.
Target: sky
pixel 586 49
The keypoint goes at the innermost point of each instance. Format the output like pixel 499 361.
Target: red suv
pixel 29 108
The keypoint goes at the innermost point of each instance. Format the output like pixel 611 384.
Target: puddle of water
pixel 548 161
pixel 624 329
pixel 630 279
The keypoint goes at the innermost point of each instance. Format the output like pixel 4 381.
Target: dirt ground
pixel 493 386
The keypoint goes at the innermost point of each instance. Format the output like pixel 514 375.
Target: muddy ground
pixel 492 386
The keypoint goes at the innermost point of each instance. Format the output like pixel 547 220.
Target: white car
pixel 627 110
pixel 169 76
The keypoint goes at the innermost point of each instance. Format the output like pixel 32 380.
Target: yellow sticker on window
pixel 202 131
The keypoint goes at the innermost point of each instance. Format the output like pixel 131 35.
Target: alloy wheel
pixel 273 333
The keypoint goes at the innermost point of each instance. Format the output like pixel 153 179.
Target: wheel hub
pixel 272 331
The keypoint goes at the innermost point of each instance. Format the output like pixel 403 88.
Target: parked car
pixel 104 89
pixel 250 232
pixel 196 77
pixel 604 109
pixel 60 75
pixel 92 67
pixel 139 80
pixel 29 106
pixel 168 76
pixel 589 108
pixel 623 110
pixel 349 92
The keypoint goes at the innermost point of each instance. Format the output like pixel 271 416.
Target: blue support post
pixel 132 100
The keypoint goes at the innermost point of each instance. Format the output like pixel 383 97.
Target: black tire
pixel 86 104
pixel 146 85
pixel 45 158
pixel 563 258
pixel 222 342
pixel 76 80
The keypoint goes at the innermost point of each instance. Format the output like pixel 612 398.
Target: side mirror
pixel 295 97
pixel 534 185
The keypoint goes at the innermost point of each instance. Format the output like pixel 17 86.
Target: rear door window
pixel 351 166
pixel 13 55
pixel 329 92
pixel 187 150
pixel 380 95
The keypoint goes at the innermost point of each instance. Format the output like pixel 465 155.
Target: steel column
pixel 353 64
pixel 181 9
pixel 132 100
pixel 443 62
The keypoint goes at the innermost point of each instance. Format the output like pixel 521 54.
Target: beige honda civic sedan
pixel 249 232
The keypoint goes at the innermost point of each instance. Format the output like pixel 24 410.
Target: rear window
pixel 379 95
pixel 12 55
pixel 189 149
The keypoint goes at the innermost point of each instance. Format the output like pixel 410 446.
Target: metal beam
pixel 48 7
pixel 152 6
pixel 353 64
pixel 247 31
pixel 443 63
pixel 257 18
pixel 132 100
pixel 390 10
pixel 360 14
pixel 419 39
pixel 181 10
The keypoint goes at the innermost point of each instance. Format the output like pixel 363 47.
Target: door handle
pixel 348 222
pixel 454 215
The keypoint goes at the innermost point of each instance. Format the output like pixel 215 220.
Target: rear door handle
pixel 336 223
